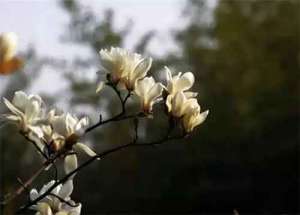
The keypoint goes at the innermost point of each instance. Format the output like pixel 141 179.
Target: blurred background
pixel 245 55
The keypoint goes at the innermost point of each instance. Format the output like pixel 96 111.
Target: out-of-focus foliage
pixel 247 67
pixel 245 56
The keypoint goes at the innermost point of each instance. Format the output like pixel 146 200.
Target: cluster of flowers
pixel 129 71
pixel 52 133
pixel 56 133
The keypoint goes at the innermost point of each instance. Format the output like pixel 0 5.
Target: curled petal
pixel 142 68
pixel 84 148
pixel 185 82
pixel 12 108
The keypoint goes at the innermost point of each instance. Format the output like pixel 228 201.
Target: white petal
pixel 202 117
pixel 20 100
pixel 70 163
pixel 81 124
pixel 66 189
pixel 36 136
pixel 12 108
pixel 84 148
pixel 169 103
pixel 190 94
pixel 32 111
pixel 59 124
pixel 185 82
pixel 100 86
pixel 10 117
pixel 142 68
pixel 44 208
pixel 177 104
pixel 144 86
pixel 36 98
pixel 190 105
pixel 155 92
pixel 46 187
pixel 77 210
pixel 168 74
pixel 33 194
pixel 70 123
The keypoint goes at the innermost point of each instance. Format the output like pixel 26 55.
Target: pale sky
pixel 42 22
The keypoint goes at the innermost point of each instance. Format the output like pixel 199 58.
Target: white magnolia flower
pixel 193 118
pixel 8 45
pixel 178 83
pixel 52 204
pixel 113 63
pixel 149 92
pixel 26 111
pixel 67 125
pixel 137 68
pixel 66 131
pixel 181 103
pixel 188 110
pixel 123 66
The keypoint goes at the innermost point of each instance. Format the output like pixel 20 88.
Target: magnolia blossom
pixel 149 92
pixel 65 132
pixel 123 67
pixel 8 45
pixel 188 110
pixel 52 204
pixel 181 103
pixel 193 118
pixel 178 83
pixel 26 111
pixel 137 68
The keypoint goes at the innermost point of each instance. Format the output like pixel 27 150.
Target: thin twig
pixel 119 117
